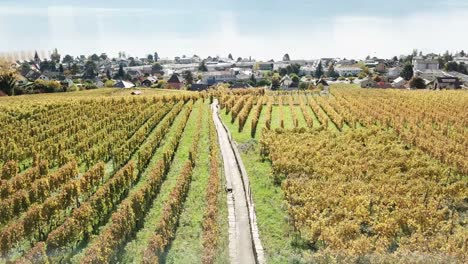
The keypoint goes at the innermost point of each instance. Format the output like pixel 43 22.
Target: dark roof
pixel 198 87
pixel 321 81
pixel 175 78
pixel 448 79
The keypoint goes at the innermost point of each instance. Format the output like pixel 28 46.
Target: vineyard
pixel 106 179
pixel 367 175
pixel 357 176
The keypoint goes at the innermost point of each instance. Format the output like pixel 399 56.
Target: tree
pixel 407 72
pixel 451 66
pixel 395 58
pixel 417 82
pixel 156 57
pixel 275 81
pixel 286 57
pixel 239 59
pixel 103 56
pixel 377 79
pixel 462 53
pixel 24 68
pixel 156 67
pixel 61 68
pixel 303 86
pixel 108 74
pixel 202 67
pixel 45 66
pixel 319 70
pixel 150 58
pixel 8 83
pixel 67 59
pixel 188 77
pixel 253 81
pixel 90 70
pixel 55 56
pixel 230 56
pixel 447 56
pixel 294 78
pixel 94 57
pixel 74 69
pixel 331 72
pixel 282 71
pixel 132 62
pixel 121 72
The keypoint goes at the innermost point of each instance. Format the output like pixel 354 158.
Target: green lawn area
pixel 275 233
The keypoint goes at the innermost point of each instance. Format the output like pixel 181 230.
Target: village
pixel 51 72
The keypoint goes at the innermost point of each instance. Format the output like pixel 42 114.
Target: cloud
pixel 79 30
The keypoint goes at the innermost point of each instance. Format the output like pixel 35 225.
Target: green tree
pixel 239 59
pixel 230 56
pixel 121 72
pixel 331 72
pixel 283 72
pixel 253 81
pixel 451 66
pixel 202 67
pixel 74 69
pixel 417 83
pixel 395 58
pixel 407 72
pixel 286 57
pixel 188 77
pixel 462 53
pixel 67 59
pixel 55 56
pixel 108 74
pixel 294 77
pixel 319 70
pixel 156 67
pixel 61 68
pixel 156 57
pixel 94 57
pixel 303 86
pixel 8 83
pixel 150 58
pixel 103 56
pixel 90 70
pixel 132 62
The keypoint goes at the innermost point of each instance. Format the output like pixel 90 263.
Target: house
pixel 134 73
pixel 124 84
pixel 380 67
pixel 176 81
pixel 421 64
pixel 447 83
pixel 265 66
pixel 394 72
pixel 348 70
pixel 211 78
pixel 150 80
pixel 429 74
pixel 198 87
pixel 33 75
pixel 399 82
pixel 368 83
pixel 286 82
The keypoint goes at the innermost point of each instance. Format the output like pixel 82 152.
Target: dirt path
pixel 244 242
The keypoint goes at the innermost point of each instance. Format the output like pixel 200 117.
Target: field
pixel 100 176
pixel 357 176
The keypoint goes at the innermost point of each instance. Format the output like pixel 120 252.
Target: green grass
pixel 187 246
pixel 134 249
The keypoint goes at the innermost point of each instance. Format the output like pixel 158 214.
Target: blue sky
pixel 262 29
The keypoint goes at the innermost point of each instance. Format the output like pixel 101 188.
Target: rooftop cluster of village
pixel 57 73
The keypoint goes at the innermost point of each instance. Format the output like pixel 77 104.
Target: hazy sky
pixel 264 29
